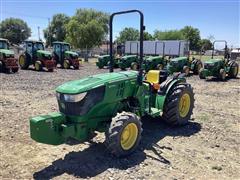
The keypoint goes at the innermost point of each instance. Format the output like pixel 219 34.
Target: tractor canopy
pixel 91 82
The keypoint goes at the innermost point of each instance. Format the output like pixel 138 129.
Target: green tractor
pixel 184 64
pixel 104 60
pixel 114 103
pixel 63 55
pixel 129 61
pixel 154 62
pixel 220 68
pixel 7 61
pixel 35 55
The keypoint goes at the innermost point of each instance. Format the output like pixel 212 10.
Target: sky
pixel 219 18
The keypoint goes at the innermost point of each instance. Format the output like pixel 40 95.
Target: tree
pixel 168 35
pixel 15 30
pixel 128 34
pixel 147 36
pixel 56 30
pixel 193 36
pixel 205 44
pixel 87 28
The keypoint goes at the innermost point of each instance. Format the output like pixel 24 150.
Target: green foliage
pixel 205 44
pixel 56 30
pixel 15 30
pixel 193 36
pixel 132 34
pixel 168 35
pixel 87 28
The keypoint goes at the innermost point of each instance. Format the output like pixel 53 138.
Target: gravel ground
pixel 206 148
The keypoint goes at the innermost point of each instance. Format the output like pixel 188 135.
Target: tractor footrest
pixel 155 112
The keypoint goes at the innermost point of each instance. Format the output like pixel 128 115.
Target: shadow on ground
pixel 96 159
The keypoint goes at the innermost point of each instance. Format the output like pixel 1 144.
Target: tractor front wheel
pixel 186 70
pixel 134 66
pixel 233 71
pixel 66 64
pixel 38 65
pixel 179 105
pixel 201 76
pixel 222 74
pixel 14 70
pixel 198 66
pixel 159 67
pixel 124 134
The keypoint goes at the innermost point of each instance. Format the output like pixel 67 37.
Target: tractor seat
pixel 156 77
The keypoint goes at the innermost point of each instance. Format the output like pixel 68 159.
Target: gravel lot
pixel 206 148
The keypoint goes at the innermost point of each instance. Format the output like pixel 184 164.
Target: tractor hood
pixel 6 51
pixel 178 59
pixel 46 53
pixel 212 61
pixel 91 82
pixel 71 53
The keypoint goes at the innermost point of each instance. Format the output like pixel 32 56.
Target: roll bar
pixel 142 28
pixel 225 49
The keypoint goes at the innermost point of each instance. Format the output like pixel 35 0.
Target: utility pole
pixel 39 33
pixel 49 35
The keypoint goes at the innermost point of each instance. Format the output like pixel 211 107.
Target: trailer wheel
pixel 222 74
pixel 124 134
pixel 179 105
pixel 233 71
pixel 38 65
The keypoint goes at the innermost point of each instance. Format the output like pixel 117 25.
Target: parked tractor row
pixel 214 67
pixel 35 54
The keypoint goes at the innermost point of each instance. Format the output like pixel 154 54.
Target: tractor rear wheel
pixel 159 67
pixel 222 74
pixel 233 71
pixel 124 134
pixel 38 65
pixel 179 105
pixel 201 76
pixel 186 70
pixel 197 67
pixel 134 66
pixel 14 70
pixel 66 64
pixel 23 62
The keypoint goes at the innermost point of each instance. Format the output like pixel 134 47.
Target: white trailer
pixel 168 48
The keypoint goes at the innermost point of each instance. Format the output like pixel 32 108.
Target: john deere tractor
pixel 64 56
pixel 114 103
pixel 35 55
pixel 7 60
pixel 129 61
pixel 104 60
pixel 154 62
pixel 220 68
pixel 184 64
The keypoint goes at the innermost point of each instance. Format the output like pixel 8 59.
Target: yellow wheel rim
pixel 129 136
pixel 160 67
pixel 235 70
pixel 21 61
pixel 134 67
pixel 65 65
pixel 184 105
pixel 37 66
pixel 199 67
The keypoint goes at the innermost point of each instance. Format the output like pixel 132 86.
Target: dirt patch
pixel 207 148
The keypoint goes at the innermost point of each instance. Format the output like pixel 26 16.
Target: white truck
pixel 171 48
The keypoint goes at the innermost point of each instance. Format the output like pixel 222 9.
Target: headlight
pixel 74 98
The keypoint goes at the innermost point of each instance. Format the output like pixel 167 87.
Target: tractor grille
pixel 92 97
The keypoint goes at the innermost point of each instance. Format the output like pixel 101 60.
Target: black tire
pixel 115 131
pixel 222 74
pixel 1 66
pixel 233 71
pixel 15 70
pixel 171 113
pixel 201 74
pixel 23 61
pixel 198 66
